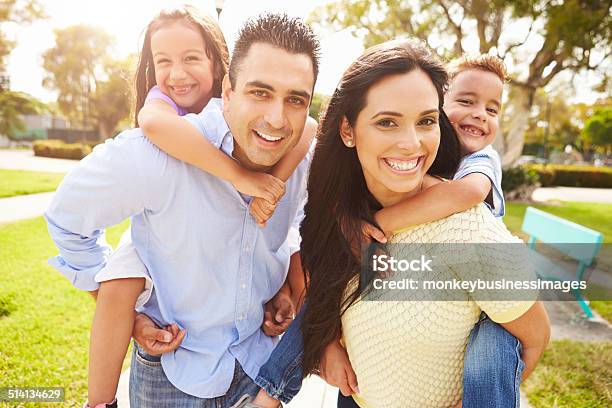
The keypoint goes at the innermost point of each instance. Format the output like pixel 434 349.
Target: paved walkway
pixel 589 195
pixel 22 207
pixel 25 160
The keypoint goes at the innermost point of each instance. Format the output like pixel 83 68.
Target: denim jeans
pixel 491 377
pixel 149 386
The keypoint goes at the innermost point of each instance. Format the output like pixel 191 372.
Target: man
pixel 212 267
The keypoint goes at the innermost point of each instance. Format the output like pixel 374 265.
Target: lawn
pixel 20 182
pixel 44 321
pixel 592 215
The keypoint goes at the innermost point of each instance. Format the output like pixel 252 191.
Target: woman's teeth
pixel 472 130
pixel 402 165
pixel 268 137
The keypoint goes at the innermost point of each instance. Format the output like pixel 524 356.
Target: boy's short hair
pixel 279 30
pixel 483 62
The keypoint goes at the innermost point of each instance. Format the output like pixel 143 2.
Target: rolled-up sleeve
pixel 104 189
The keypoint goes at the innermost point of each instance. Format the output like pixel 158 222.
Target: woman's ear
pixel 346 132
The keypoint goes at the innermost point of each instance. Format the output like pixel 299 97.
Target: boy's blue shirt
pixel 487 162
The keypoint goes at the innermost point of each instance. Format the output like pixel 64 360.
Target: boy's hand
pixel 370 232
pixel 278 314
pixel 262 210
pixel 258 184
pixel 152 339
pixel 336 369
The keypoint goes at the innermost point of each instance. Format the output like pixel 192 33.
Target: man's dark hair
pixel 278 30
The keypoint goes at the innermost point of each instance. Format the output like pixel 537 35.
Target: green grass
pixel 572 374
pixel 44 331
pixel 592 215
pixel 20 182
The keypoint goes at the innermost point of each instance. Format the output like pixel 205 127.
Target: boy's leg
pixel 110 336
pixel 281 376
pixel 346 402
pixel 492 367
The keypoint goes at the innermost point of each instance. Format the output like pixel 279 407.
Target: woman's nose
pixel 409 141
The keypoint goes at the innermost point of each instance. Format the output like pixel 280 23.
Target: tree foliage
pixel 572 35
pixel 93 88
pixel 598 128
pixel 13 105
pixel 20 12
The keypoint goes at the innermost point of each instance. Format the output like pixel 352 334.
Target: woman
pixel 385 137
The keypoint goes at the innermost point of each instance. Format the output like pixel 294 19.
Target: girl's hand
pixel 262 210
pixel 336 369
pixel 261 185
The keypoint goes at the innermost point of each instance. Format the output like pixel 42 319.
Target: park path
pixel 567 320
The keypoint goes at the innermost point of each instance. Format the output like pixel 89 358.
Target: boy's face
pixel 472 104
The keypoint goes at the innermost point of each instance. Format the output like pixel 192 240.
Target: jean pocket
pixel 145 358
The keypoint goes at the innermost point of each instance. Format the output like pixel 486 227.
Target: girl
pixel 181 67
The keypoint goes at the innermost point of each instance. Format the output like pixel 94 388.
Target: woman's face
pixel 396 135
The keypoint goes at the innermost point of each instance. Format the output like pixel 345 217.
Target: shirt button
pixel 243 286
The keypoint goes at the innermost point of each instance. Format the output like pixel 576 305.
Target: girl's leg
pixel 110 336
pixel 281 377
pixel 492 367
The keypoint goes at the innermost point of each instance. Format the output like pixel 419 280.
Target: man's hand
pixel 336 369
pixel 152 339
pixel 278 314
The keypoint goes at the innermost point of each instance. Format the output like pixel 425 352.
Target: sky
pixel 126 20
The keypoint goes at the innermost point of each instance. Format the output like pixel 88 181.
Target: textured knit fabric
pixel 410 353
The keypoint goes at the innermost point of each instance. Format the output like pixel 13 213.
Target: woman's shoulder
pixel 476 224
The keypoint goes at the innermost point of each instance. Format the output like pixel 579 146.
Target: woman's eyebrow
pixel 427 112
pixel 387 113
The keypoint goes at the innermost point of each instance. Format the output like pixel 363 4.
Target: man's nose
pixel 275 115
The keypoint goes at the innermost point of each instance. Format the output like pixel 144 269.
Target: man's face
pixel 472 104
pixel 267 109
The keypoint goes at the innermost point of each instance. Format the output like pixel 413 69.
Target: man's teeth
pixel 473 130
pixel 402 165
pixel 268 137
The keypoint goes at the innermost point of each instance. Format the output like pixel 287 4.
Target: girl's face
pixel 396 135
pixel 183 71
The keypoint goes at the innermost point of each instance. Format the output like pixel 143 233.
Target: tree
pixel 112 101
pixel 20 12
pixel 13 105
pixel 573 35
pixel 73 66
pixel 598 128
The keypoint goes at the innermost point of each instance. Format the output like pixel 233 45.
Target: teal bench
pixel 574 240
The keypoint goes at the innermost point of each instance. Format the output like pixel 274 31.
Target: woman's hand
pixel 152 339
pixel 278 314
pixel 336 369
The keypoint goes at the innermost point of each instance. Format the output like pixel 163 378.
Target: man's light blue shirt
pixel 487 162
pixel 212 267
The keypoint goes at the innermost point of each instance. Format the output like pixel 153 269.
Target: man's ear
pixel 346 132
pixel 226 89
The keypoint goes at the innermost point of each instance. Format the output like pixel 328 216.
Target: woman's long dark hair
pixel 338 198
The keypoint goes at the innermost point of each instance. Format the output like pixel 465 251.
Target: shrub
pixel 59 149
pixel 573 176
pixel 519 182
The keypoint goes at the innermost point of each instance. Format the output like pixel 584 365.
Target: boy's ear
pixel 226 89
pixel 346 132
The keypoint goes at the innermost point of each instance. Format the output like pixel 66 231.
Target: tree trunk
pixel 510 144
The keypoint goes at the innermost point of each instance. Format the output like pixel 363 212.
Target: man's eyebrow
pixel 397 114
pixel 263 85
